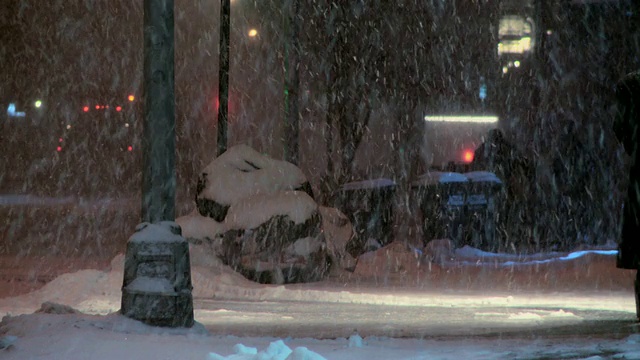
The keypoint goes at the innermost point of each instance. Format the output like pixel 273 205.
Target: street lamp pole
pixel 156 286
pixel 158 142
pixel 292 81
pixel 223 75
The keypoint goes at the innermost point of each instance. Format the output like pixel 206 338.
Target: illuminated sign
pixel 462 118
pixel 11 111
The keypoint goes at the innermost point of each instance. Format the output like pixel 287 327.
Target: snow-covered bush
pixel 258 216
pixel 241 172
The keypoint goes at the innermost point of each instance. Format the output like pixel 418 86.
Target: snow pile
pixel 277 350
pixel 253 211
pixel 356 341
pixel 258 216
pixel 241 172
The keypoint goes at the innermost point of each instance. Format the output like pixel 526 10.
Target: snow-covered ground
pixel 75 316
pixel 96 331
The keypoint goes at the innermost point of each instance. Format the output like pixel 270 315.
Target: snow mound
pixel 277 350
pixel 253 211
pixel 241 171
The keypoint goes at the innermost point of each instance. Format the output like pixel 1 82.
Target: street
pixel 469 314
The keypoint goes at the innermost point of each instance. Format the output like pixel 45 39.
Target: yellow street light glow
pixel 253 33
pixel 461 119
pixel 38 103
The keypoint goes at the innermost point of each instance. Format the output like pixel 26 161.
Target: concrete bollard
pixel 157 276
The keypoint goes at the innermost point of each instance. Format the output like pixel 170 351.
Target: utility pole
pixel 292 81
pixel 223 75
pixel 159 140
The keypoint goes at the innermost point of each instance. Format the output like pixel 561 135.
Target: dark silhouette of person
pixel 516 172
pixel 626 130
pixel 492 155
pixel 626 127
pixel 499 156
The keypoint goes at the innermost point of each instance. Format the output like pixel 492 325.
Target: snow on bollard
pixel 157 276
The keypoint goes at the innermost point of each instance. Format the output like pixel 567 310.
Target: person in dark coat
pixel 626 127
pixel 499 156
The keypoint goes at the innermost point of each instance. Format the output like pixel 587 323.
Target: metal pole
pixel 223 76
pixel 158 143
pixel 292 83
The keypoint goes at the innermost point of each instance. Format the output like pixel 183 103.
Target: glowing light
pixel 505 69
pixel 68 127
pixel 516 63
pixel 97 107
pixel 131 98
pixel 59 148
pixel 130 148
pixel 468 156
pixel 126 124
pixel 461 118
pixel 521 46
pixel 60 140
pixel 253 33
pixel 85 109
pixel 38 104
pixel 118 108
pixel 11 111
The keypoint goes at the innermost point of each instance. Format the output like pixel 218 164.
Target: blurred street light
pixel 253 33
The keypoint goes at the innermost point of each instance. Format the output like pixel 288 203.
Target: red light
pixel 85 109
pixel 107 106
pixel 97 107
pixel 59 148
pixel 468 156
pixel 118 108
pixel 130 148
pixel 60 140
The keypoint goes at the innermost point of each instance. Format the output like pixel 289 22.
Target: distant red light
pixel 97 107
pixel 118 108
pixel 130 148
pixel 85 109
pixel 60 140
pixel 59 148
pixel 467 156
